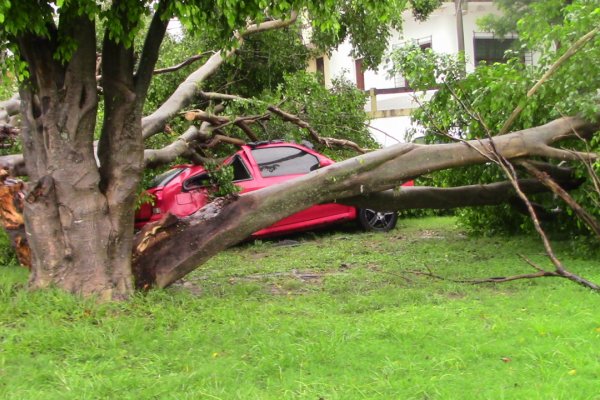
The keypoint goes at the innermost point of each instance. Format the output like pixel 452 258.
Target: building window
pixel 491 49
pixel 360 74
pixel 423 43
pixel 320 66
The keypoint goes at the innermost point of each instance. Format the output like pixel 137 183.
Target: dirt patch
pixel 455 295
pixel 276 283
pixel 428 234
pixel 258 256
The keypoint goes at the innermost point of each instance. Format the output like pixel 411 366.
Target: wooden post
pixel 373 96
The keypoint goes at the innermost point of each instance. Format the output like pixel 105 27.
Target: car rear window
pixel 166 177
pixel 283 160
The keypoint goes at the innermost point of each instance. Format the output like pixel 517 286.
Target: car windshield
pixel 164 178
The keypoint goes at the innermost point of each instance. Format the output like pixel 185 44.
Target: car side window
pixel 283 160
pixel 240 171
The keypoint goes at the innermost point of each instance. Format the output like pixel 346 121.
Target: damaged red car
pixel 185 189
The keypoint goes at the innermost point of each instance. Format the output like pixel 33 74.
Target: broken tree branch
pixel 218 226
pixel 553 68
pixel 491 151
pixel 294 119
pixel 426 197
pixel 182 64
pixel 190 87
pixel 543 177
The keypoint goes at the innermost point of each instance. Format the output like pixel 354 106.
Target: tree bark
pixel 65 214
pixel 426 197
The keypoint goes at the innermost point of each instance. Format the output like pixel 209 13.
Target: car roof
pixel 265 144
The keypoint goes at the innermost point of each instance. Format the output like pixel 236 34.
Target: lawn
pixel 332 315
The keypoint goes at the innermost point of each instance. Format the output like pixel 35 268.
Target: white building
pixel 391 101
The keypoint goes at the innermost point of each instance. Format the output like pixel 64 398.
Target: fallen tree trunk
pixel 427 197
pixel 228 221
pixel 413 197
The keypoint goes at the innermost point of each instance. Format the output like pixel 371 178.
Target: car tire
pixel 376 221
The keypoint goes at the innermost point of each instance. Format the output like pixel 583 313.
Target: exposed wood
pixel 11 216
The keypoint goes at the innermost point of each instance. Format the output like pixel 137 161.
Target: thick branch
pixel 553 68
pixel 150 52
pixel 180 147
pixel 188 89
pixel 294 119
pixel 426 197
pixel 219 96
pixel 268 25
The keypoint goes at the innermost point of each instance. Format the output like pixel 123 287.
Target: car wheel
pixel 376 221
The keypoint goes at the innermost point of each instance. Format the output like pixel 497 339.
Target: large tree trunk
pixel 66 214
pixel 79 214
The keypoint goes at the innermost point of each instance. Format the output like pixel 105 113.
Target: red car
pixel 184 189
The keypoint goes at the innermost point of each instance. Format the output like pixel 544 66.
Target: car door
pixel 196 189
pixel 192 194
pixel 277 164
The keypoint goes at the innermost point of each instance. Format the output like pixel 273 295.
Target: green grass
pixel 335 317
